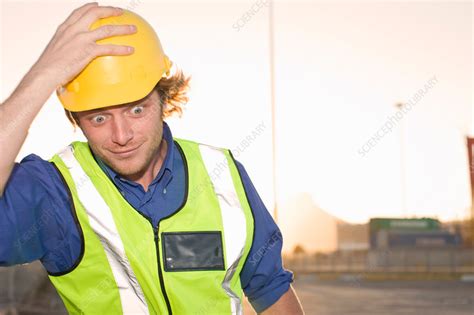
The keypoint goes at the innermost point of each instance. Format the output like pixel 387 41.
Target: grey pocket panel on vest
pixel 187 251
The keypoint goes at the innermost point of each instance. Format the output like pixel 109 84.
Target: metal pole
pixel 402 165
pixel 470 151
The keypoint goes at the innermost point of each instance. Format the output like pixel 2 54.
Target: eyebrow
pixel 95 112
pixel 99 111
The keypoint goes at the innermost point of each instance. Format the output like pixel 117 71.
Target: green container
pixel 422 224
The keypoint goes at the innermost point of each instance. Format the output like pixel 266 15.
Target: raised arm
pixel 71 49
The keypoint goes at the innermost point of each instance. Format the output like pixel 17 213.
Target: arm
pixel 287 304
pixel 70 50
pixel 16 115
pixel 264 280
pixel 32 216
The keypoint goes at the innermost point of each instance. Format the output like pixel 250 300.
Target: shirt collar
pixel 167 164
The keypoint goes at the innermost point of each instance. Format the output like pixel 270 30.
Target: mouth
pixel 125 153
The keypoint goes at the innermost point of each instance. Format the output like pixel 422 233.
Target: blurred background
pixel 353 119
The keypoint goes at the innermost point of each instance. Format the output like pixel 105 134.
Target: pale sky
pixel 340 68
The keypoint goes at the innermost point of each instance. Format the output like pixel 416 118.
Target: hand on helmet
pixel 74 46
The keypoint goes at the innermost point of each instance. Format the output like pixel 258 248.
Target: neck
pixel 145 178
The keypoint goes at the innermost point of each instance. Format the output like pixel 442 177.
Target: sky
pixel 340 67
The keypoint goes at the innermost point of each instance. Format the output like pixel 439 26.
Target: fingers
pixel 93 14
pixel 77 13
pixel 102 50
pixel 111 30
pixel 88 15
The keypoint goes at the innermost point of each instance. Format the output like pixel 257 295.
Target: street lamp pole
pixel 399 106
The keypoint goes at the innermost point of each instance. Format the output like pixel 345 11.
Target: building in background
pixel 352 237
pixel 306 226
pixel 389 233
pixel 461 227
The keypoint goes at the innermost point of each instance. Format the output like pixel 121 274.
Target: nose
pixel 122 131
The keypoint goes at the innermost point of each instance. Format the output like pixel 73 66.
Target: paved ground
pixel 387 297
pixel 32 294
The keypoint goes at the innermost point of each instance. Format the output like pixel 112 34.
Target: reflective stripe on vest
pixel 232 216
pixel 101 220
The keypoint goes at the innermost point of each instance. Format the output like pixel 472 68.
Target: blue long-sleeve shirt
pixel 36 221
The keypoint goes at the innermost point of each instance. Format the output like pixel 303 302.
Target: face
pixel 126 137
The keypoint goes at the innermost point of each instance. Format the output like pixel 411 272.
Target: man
pixel 133 221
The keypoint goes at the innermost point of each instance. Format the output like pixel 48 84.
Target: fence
pixel 26 290
pixel 393 260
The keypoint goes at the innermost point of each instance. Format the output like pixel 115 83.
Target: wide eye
pixel 98 119
pixel 137 110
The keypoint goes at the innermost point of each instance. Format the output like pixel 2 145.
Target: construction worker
pixel 133 221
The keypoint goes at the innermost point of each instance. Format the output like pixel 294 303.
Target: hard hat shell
pixel 113 80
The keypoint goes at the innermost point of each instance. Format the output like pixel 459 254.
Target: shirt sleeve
pixel 31 224
pixel 263 278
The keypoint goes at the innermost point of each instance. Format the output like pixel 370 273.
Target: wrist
pixel 38 82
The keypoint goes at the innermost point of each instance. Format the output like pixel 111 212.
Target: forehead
pixel 119 107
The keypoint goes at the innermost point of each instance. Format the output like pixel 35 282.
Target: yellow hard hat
pixel 114 80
